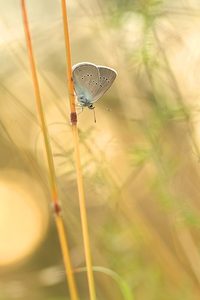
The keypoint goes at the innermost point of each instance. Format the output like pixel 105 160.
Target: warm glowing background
pixel 140 161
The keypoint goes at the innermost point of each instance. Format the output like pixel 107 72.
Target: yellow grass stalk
pixel 53 185
pixel 81 193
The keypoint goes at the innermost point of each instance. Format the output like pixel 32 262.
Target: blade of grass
pixel 53 184
pixel 81 193
pixel 123 286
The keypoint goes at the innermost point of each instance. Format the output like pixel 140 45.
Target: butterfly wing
pixel 107 76
pixel 86 79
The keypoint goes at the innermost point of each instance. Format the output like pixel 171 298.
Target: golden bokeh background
pixel 140 160
pixel 23 220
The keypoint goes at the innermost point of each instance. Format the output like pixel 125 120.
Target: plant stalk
pixel 53 185
pixel 81 193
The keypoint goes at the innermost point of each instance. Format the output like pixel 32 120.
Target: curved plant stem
pixel 123 286
pixel 53 185
pixel 81 193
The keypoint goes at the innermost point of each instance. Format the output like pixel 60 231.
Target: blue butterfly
pixel 91 82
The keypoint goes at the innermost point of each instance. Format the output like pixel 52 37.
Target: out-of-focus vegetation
pixel 140 161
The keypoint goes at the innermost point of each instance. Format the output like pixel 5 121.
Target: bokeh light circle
pixel 23 217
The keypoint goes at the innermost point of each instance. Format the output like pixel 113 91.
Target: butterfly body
pixel 85 101
pixel 91 82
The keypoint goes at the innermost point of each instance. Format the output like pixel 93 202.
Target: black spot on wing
pixel 86 78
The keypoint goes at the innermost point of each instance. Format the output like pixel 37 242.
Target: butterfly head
pixel 91 106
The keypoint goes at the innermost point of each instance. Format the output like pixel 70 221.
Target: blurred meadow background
pixel 140 160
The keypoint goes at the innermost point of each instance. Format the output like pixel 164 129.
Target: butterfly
pixel 91 82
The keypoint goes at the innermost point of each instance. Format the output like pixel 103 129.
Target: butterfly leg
pixel 80 107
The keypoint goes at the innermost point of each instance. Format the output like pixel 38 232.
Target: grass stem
pixel 81 193
pixel 53 184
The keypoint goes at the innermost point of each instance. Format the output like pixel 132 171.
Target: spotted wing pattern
pixel 106 77
pixel 86 80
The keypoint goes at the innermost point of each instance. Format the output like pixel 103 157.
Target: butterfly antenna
pixel 95 120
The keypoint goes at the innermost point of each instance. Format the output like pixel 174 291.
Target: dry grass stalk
pixel 54 193
pixel 81 193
